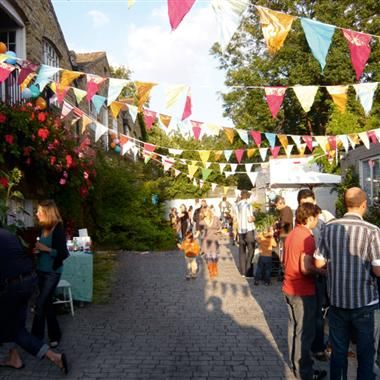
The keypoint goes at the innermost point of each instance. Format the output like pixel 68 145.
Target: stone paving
pixel 160 326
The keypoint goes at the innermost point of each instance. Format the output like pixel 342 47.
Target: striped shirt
pixel 351 247
pixel 244 211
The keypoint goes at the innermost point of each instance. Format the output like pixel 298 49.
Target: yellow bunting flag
pixel 250 152
pixel 143 92
pixel 230 133
pixel 353 138
pixel 301 149
pixel 204 155
pixel 339 96
pixel 165 119
pixel 116 107
pixel 68 76
pixel 86 121
pixel 26 81
pixel 275 26
pixel 172 94
pixel 283 140
pixel 218 154
pixel 192 170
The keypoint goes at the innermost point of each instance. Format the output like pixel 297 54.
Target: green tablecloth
pixel 78 270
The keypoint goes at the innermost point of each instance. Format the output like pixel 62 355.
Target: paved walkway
pixel 160 326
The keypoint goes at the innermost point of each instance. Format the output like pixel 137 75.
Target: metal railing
pixel 10 91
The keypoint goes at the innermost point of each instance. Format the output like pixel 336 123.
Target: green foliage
pixel 349 179
pixel 121 208
pixel 248 63
pixel 264 220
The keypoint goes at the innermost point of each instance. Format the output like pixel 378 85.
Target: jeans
pixel 342 322
pixel 246 251
pixel 264 268
pixel 13 305
pixel 301 331
pixel 319 340
pixel 47 283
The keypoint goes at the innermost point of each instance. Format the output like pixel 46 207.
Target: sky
pixel 140 38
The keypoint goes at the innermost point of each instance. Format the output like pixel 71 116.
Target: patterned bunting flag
pixel 353 139
pixel 27 68
pixel 67 76
pixel 45 75
pixel 5 70
pixel 332 142
pixel 360 49
pixel 230 133
pixel 318 36
pixel 93 83
pixel 305 95
pixel 115 108
pixel 60 92
pixel 66 109
pixel 115 85
pixel 372 136
pixel 172 93
pixel 149 118
pixel 274 97
pixel 177 10
pixel 256 135
pixel 275 151
pixel 275 27
pixel 143 92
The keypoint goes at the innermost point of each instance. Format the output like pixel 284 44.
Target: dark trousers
pixel 246 251
pixel 301 331
pixel 13 305
pixel 264 268
pixel 342 322
pixel 320 295
pixel 47 283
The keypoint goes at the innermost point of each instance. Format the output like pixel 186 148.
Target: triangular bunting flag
pixel 196 127
pixel 143 92
pixel 176 152
pixel 271 137
pixel 5 70
pixel 100 130
pixel 227 174
pixel 149 148
pixel 230 133
pixel 339 95
pixel 227 154
pixel 177 11
pixel 305 95
pixel 116 107
pixel 192 170
pixel 365 93
pixel 239 154
pixel 167 163
pixel 67 76
pixel 243 134
pixel 274 97
pixel 213 186
pixel 79 94
pixel 45 75
pixel 322 141
pixel 188 105
pixel 86 121
pixel 149 118
pixel 353 139
pixel 204 155
pixel 205 173
pixel 344 140
pixel 275 151
pixel 218 154
pixel 256 135
pixel 165 120
pixel 318 36
pixel 172 93
pixel 250 152
pixel 360 49
pixel 372 136
pixel 365 139
pixel 283 140
pixel 98 102
pixel 248 167
pixel 27 68
pixel 288 150
pixel 133 111
pixel 176 172
pixel 332 142
pixel 263 153
pixel 309 142
pixel 66 109
pixel 115 85
pixel 225 189
pixel 253 177
pixel 301 149
pixel 275 27
pixel 93 83
pixel 222 167
pixel 233 167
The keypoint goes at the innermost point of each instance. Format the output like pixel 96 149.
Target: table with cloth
pixel 78 271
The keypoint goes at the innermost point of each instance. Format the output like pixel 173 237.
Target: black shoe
pixel 256 283
pixel 317 375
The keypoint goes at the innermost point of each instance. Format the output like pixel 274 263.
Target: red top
pixel 299 241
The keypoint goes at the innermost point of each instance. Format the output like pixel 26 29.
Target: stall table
pixel 78 271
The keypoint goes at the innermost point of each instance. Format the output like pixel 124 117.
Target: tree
pixel 248 63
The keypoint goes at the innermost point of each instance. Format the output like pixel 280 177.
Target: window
pixel 51 57
pixel 370 178
pixel 9 38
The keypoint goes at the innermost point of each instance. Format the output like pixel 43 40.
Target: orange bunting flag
pixel 68 76
pixel 230 133
pixel 116 107
pixel 165 119
pixel 283 140
pixel 86 121
pixel 143 92
pixel 250 152
pixel 275 27
pixel 218 154
pixel 339 96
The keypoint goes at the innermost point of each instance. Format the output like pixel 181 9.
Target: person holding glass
pixel 51 251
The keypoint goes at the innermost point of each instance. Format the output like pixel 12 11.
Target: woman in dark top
pixel 17 284
pixel 51 250
pixel 184 220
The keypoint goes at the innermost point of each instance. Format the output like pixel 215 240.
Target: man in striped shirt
pixel 351 249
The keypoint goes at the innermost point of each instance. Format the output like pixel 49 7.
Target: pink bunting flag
pixel 177 11
pixel 26 69
pixel 149 118
pixel 308 141
pixel 150 148
pixel 196 129
pixel 256 137
pixel 360 49
pixel 93 83
pixel 61 93
pixel 372 136
pixel 274 97
pixel 332 142
pixel 275 151
pixel 5 70
pixel 239 154
pixel 187 109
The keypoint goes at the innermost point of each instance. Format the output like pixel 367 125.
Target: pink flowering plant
pixel 48 151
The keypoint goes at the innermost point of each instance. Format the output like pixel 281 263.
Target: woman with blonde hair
pixel 51 251
pixel 210 243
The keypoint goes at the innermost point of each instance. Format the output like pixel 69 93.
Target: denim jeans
pixel 13 305
pixel 264 268
pixel 301 331
pixel 341 323
pixel 47 283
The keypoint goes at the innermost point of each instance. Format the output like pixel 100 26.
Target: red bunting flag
pixel 256 137
pixel 93 83
pixel 275 97
pixel 309 141
pixel 26 69
pixel 275 151
pixel 187 109
pixel 196 129
pixel 372 136
pixel 332 142
pixel 149 118
pixel 149 147
pixel 5 70
pixel 239 154
pixel 177 11
pixel 359 49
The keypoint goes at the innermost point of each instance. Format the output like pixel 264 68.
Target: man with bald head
pixel 350 248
